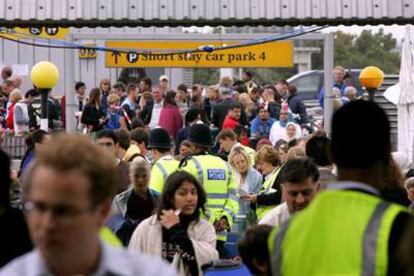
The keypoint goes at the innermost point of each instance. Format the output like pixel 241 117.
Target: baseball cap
pixel 164 77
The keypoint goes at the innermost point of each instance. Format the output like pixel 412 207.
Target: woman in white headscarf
pixel 292 131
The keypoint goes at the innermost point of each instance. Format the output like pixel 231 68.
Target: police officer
pixel 348 229
pixel 216 177
pixel 160 145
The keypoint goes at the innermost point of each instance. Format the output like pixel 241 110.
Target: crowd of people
pixel 157 180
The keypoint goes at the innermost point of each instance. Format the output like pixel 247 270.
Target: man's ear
pixel 318 186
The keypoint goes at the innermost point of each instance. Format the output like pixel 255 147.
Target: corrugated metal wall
pixel 201 12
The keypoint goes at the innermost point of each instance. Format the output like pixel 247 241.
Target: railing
pixel 14 146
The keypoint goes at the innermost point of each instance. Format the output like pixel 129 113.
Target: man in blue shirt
pixel 338 75
pixel 261 125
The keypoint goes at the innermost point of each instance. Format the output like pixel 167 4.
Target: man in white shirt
pixel 278 129
pixel 68 194
pixel 158 96
pixel 299 186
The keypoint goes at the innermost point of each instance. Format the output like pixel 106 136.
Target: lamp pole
pixel 44 76
pixel 371 94
pixel 371 78
pixel 44 119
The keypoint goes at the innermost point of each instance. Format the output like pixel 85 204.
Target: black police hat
pixel 200 135
pixel 159 139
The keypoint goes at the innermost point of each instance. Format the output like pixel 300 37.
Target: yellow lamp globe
pixel 371 77
pixel 44 75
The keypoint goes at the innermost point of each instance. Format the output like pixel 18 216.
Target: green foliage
pixel 206 76
pixel 211 76
pixel 271 75
pixel 351 51
pixel 367 49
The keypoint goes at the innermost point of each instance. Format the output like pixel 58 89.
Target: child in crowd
pixel 113 113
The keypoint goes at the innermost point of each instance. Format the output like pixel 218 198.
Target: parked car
pixel 310 83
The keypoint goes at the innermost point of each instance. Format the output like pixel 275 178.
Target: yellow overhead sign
pixel 88 53
pixel 153 54
pixel 42 32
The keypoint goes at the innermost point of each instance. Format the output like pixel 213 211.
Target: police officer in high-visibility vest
pixel 270 195
pixel 216 177
pixel 348 229
pixel 160 145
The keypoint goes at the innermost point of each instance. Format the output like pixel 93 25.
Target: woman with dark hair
pixel 93 116
pixel 14 235
pixel 32 142
pixel 170 117
pixel 178 233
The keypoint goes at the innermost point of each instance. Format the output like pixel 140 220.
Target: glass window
pixel 307 84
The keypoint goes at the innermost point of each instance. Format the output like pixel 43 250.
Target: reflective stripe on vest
pixel 368 256
pixel 370 239
pixel 267 185
pixel 162 170
pixel 217 178
pixel 199 171
pixel 369 242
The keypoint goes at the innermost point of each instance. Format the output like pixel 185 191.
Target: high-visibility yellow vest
pixel 109 237
pixel 261 211
pixel 160 171
pixel 218 180
pixel 340 233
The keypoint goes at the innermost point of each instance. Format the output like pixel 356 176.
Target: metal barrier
pixel 14 146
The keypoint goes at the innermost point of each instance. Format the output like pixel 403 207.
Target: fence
pixel 14 146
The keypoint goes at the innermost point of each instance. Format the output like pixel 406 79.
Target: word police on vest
pixel 216 174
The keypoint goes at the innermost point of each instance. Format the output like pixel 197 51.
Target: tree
pixel 368 48
pixel 206 76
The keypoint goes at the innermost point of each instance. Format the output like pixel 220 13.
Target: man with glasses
pixel 299 186
pixel 68 194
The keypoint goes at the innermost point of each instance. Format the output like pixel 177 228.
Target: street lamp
pixel 371 78
pixel 44 76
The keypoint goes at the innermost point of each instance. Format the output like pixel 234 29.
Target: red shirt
pixel 10 114
pixel 230 123
pixel 171 119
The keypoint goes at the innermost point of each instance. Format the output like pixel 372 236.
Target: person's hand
pixel 102 121
pixel 221 224
pixel 13 176
pixel 169 218
pixel 250 198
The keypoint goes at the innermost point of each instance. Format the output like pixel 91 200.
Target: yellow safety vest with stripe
pixel 218 180
pixel 109 237
pixel 261 211
pixel 340 233
pixel 160 171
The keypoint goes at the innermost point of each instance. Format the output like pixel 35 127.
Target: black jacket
pixel 14 235
pixel 297 107
pixel 274 198
pixel 146 112
pixel 91 116
pixel 274 109
pixel 220 110
pixel 35 111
